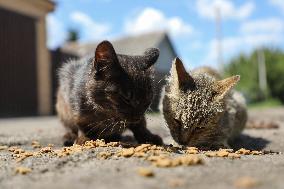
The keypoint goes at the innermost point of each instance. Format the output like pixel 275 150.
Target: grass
pixel 269 103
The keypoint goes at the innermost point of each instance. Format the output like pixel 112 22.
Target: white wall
pixel 166 57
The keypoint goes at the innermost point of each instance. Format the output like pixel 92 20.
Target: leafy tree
pixel 275 70
pixel 247 67
pixel 73 35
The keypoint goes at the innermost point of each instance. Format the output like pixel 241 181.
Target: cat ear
pixel 150 56
pixel 181 77
pixel 105 52
pixel 223 87
pixel 104 57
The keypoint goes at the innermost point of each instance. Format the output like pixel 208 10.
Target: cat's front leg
pixel 70 135
pixel 143 135
pixel 69 138
pixel 82 138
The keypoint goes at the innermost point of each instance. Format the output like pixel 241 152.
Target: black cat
pixel 99 97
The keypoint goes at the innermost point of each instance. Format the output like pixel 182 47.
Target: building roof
pixel 49 5
pixel 131 45
pixel 34 8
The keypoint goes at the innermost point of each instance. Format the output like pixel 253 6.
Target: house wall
pixel 18 78
pixel 37 10
pixel 166 56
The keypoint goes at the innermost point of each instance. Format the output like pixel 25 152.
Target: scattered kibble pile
pixel 158 156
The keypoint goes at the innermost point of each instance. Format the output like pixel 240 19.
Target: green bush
pixel 247 67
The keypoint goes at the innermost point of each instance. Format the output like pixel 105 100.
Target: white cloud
pixel 268 25
pixel 90 29
pixel 56 34
pixel 151 19
pixel 242 43
pixel 278 3
pixel 252 34
pixel 207 9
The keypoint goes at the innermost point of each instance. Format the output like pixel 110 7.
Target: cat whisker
pixel 96 125
pixel 104 130
pixel 105 68
pixel 124 125
pixel 113 127
pixel 161 80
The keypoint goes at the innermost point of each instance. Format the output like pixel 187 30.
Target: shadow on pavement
pixel 249 142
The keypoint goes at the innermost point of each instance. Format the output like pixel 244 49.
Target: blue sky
pixel 246 24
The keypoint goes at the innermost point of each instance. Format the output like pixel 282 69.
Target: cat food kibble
pixel 192 150
pixel 226 150
pixel 23 170
pixel 159 156
pixel 190 160
pixel 142 147
pixel 46 150
pixel 127 152
pixel 163 162
pixel 3 147
pixel 145 172
pixel 211 154
pixel 254 152
pixel 222 153
pixel 104 155
pixel 19 151
pixel 243 151
pixel 36 144
pixel 23 156
pixel 234 155
pixel 140 154
pixel 12 148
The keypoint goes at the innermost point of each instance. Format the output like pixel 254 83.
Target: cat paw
pixel 68 143
pixel 154 139
pixel 69 139
pixel 81 140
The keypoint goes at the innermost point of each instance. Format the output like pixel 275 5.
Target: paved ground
pixel 84 170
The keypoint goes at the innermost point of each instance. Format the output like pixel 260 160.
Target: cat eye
pixel 125 100
pixel 126 97
pixel 178 122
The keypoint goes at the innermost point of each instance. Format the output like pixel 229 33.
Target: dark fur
pixel 100 96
